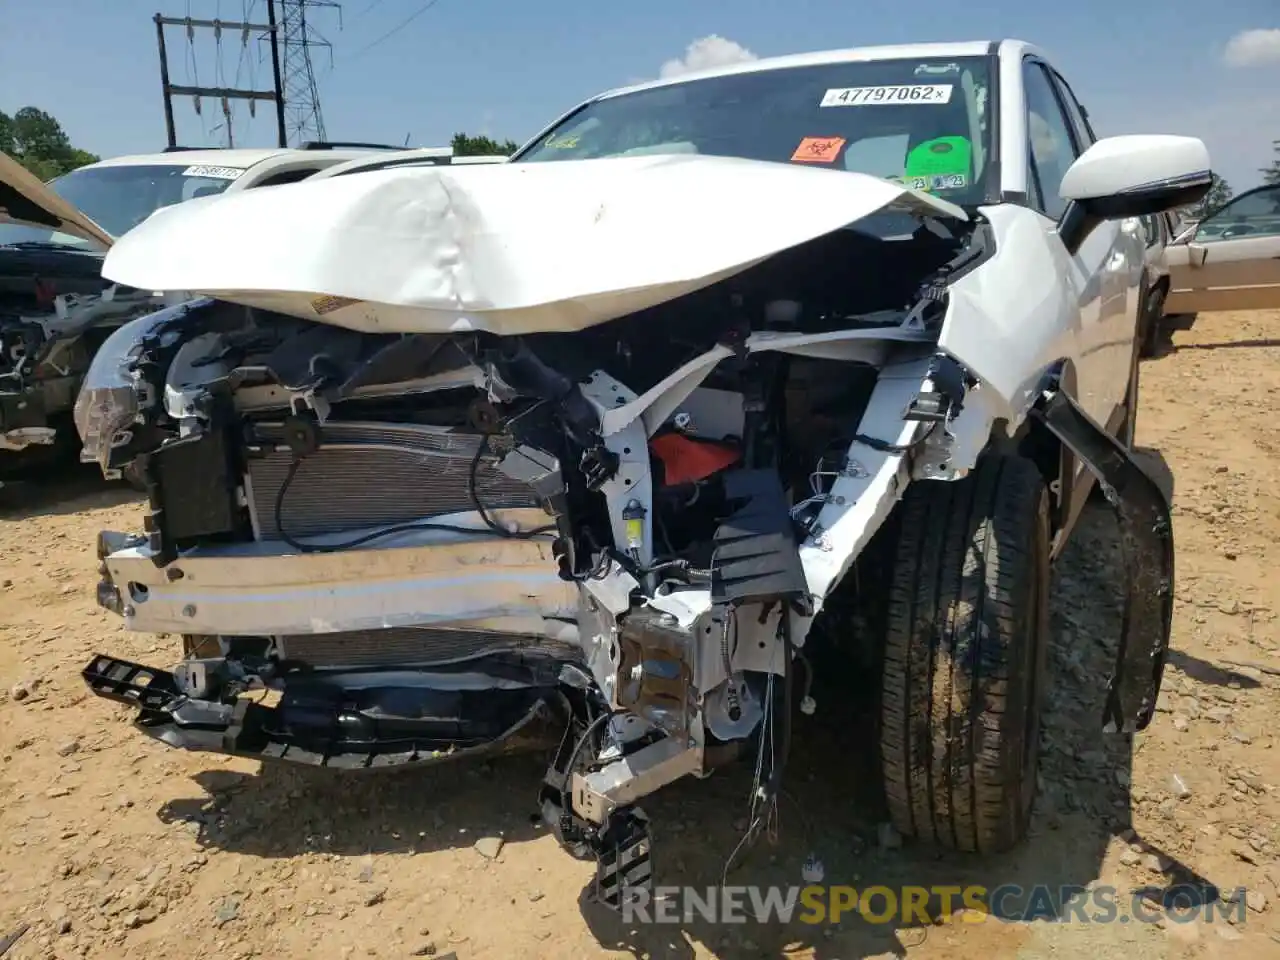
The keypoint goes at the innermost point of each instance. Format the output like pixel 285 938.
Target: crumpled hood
pixel 510 249
pixel 24 199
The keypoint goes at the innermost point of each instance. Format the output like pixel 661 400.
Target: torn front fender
pixel 1146 534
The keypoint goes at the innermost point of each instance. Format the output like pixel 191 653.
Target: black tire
pixel 1150 323
pixel 1127 432
pixel 131 473
pixel 966 645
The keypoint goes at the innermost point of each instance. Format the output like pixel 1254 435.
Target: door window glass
pixel 1153 228
pixel 1079 119
pixel 1051 148
pixel 287 176
pixel 1252 214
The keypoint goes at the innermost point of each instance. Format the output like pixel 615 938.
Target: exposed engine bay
pixel 434 543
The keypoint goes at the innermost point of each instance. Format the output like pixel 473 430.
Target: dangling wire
pixel 193 73
pixel 246 12
pixel 763 810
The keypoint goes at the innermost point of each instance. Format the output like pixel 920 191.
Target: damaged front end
pixel 55 311
pixel 425 545
pixel 46 346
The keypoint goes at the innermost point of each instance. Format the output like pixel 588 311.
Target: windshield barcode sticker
pixel 915 93
pixel 216 173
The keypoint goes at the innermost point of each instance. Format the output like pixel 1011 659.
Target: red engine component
pixel 46 293
pixel 686 460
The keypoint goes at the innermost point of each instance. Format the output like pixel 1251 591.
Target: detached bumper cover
pixel 344 719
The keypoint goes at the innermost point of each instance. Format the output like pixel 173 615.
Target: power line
pixel 192 65
pixel 394 30
pixel 246 10
pixel 220 93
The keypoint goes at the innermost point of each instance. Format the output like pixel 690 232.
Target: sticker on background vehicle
pixel 902 95
pixel 216 173
pixel 328 304
pixel 818 150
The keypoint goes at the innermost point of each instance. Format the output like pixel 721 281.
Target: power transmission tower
pixel 303 118
pixel 224 94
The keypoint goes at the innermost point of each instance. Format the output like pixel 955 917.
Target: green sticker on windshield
pixel 939 164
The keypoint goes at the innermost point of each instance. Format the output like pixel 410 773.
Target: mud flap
pixel 1146 534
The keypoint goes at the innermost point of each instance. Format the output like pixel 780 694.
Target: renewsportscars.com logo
pixel 1009 903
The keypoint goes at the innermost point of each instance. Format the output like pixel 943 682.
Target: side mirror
pixel 1132 176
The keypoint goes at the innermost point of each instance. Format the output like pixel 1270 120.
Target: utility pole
pixel 303 118
pixel 281 137
pixel 225 94
pixel 164 85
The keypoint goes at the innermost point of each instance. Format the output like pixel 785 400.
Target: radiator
pixel 374 474
pixel 410 646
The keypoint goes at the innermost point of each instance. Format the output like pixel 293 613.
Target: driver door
pixel 1232 260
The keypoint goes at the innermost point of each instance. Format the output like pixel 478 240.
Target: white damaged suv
pixel 592 440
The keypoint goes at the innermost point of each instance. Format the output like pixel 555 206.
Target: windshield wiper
pixel 45 245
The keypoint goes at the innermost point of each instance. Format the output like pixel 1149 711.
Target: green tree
pixel 1271 174
pixel 468 146
pixel 1219 193
pixel 37 141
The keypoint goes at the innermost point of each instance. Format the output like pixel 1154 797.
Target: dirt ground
pixel 114 846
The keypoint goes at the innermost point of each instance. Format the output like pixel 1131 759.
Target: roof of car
pixel 910 51
pixel 240 157
pixel 424 156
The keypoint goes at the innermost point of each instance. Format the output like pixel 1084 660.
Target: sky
pixel 422 70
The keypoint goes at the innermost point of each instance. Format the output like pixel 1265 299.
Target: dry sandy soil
pixel 113 846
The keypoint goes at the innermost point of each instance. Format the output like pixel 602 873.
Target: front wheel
pixel 966 644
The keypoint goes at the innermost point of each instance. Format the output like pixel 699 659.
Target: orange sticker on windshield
pixel 818 149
